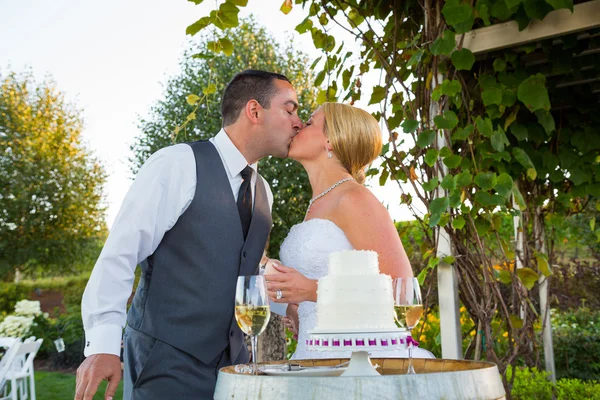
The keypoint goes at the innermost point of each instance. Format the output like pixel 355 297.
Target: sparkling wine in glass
pixel 408 306
pixel 252 310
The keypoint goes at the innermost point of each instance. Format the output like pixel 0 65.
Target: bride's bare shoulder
pixel 359 202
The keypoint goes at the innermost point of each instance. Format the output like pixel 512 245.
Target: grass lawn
pixel 61 386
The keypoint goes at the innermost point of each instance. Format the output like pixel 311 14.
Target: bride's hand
pixel 292 286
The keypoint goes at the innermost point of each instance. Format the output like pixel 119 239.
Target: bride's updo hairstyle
pixel 354 136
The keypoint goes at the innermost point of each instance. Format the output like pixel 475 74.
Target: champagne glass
pixel 408 306
pixel 252 311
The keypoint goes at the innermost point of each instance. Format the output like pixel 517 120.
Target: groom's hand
pixel 292 285
pixel 95 369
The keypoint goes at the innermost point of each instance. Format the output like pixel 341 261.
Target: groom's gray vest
pixel 186 294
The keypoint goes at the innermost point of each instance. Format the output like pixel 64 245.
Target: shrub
pixel 574 389
pixel 577 343
pixel 529 384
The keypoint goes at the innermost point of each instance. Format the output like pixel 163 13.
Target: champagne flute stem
pixel 253 340
pixel 411 370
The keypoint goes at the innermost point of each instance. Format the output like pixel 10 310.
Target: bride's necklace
pixel 329 189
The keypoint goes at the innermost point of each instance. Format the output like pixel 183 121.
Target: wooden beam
pixel 559 22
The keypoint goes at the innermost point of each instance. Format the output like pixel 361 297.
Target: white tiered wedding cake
pixel 354 295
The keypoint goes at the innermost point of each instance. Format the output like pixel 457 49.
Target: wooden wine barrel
pixel 435 379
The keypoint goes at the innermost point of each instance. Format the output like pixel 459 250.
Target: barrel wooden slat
pixel 435 379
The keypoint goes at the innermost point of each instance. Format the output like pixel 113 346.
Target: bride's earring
pixel 329 154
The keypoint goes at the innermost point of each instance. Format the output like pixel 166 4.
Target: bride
pixel 334 147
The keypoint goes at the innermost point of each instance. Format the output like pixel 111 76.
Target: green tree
pixel 51 211
pixel 205 75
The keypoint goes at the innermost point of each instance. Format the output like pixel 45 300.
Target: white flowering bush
pixel 28 308
pixel 17 326
pixel 20 324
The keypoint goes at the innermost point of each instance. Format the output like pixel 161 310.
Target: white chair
pixel 22 369
pixel 12 346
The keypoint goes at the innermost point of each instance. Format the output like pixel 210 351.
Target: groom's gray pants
pixel 154 370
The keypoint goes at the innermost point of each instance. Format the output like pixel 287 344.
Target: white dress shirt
pixel 163 189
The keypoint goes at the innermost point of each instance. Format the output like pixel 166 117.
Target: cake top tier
pixel 353 262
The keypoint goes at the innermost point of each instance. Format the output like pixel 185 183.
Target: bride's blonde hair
pixel 354 136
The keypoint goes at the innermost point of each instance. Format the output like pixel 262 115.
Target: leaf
pixel 546 120
pixel 499 65
pixel 426 138
pixel 525 161
pixel 451 87
pixel 499 140
pixel 448 182
pixel 542 264
pixel 464 179
pixel 192 99
pixel 464 133
pixel 444 44
pixel 226 46
pixel 286 7
pixel 458 222
pixel 421 277
pixel 463 59
pixel 483 8
pixel 505 276
pixel 482 226
pixel 198 25
pixel 455 198
pixel 415 58
pixel 486 180
pixel 557 4
pixel 491 96
pixel 516 321
pixel 512 3
pixel 383 177
pixel 484 126
pixel 445 152
pixel 511 118
pixel 196 2
pixel 456 12
pixel 536 9
pixel 533 93
pixel 413 175
pixel 518 197
pixel 593 224
pixel 210 89
pixel 448 121
pixel 431 157
pixel 448 260
pixel 504 186
pixel 378 95
pixel 452 161
pixel 355 18
pixel 519 131
pixel 430 185
pixel 304 27
pixel 410 125
pixel 528 277
pixel 437 207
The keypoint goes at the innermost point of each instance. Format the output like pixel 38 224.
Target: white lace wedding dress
pixel 307 248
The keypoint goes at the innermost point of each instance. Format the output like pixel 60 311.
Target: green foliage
pixel 530 383
pixel 254 48
pixel 576 335
pixel 52 213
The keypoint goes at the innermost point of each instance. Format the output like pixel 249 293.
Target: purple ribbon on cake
pixel 410 340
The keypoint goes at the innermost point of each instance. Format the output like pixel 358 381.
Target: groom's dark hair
pixel 248 85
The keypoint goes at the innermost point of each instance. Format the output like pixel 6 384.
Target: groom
pixel 196 217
